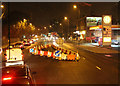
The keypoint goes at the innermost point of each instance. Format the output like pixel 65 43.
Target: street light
pixel 78 14
pixel 50 26
pixel 2 6
pixel 60 24
pixel 74 6
pixel 44 27
pixel 65 18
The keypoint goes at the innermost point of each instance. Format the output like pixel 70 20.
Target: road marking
pixel 98 68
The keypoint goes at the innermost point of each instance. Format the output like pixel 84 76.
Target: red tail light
pixel 6 57
pixel 7 78
pixel 21 46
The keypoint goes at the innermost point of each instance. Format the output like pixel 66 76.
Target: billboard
pixel 93 21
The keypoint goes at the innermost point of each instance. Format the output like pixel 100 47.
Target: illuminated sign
pixel 106 39
pixel 106 29
pixel 106 19
pixel 93 21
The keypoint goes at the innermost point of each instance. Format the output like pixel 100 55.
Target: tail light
pixel 21 46
pixel 22 55
pixel 6 57
pixel 7 78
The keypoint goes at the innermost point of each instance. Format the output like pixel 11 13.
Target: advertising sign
pixel 93 21
pixel 106 29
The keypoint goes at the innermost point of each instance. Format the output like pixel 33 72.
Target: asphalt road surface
pixel 92 68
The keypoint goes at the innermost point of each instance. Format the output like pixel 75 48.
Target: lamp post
pixel 2 6
pixel 65 18
pixel 78 15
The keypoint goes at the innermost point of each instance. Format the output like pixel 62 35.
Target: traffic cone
pixel 69 52
pixel 59 48
pixel 77 56
pixel 62 50
pixel 53 55
pixel 39 47
pixel 38 52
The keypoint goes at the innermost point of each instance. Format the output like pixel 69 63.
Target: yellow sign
pixel 107 19
pixel 106 29
pixel 107 39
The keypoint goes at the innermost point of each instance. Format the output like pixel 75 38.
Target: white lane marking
pixel 98 68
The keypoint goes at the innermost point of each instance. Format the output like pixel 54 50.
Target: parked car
pixel 19 45
pixel 26 43
pixel 19 75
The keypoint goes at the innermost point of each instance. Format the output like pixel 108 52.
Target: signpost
pixel 106 30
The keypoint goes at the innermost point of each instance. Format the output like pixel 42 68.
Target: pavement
pixel 94 47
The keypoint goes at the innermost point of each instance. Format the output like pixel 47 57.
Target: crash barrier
pixel 59 53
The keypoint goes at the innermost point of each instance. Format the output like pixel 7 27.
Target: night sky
pixel 41 13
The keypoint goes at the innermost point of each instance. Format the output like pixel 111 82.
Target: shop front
pixel 95 34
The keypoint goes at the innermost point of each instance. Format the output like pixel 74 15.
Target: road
pixel 92 68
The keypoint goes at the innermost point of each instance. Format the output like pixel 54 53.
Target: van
pixel 14 55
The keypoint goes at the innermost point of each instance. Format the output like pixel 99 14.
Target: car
pixel 18 75
pixel 19 45
pixel 10 46
pixel 26 43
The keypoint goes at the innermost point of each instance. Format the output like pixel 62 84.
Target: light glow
pixel 94 28
pixel 107 39
pixel 65 18
pixel 8 78
pixel 75 6
pixel 2 6
pixel 107 19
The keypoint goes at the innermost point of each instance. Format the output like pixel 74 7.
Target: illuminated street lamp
pixel 60 24
pixel 2 6
pixel 44 27
pixel 50 26
pixel 74 6
pixel 65 18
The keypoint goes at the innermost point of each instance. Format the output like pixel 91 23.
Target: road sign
pixel 31 50
pixel 57 53
pixel 106 30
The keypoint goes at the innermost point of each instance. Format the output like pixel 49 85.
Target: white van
pixel 14 55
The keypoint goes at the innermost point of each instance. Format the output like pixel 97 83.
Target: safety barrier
pixel 60 53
